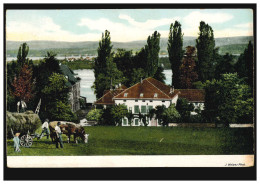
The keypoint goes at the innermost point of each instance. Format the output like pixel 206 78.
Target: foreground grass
pixel 149 141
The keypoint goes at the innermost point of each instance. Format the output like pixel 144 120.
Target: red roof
pixel 107 98
pixel 193 95
pixel 119 88
pixel 148 88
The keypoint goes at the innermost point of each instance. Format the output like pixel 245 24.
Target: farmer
pixel 45 129
pixel 23 106
pixel 17 142
pixel 59 136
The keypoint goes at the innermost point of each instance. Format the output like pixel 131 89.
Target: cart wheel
pixel 26 141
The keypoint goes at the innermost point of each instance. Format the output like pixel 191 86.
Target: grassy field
pixel 149 141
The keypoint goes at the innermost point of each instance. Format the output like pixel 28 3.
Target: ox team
pixel 56 128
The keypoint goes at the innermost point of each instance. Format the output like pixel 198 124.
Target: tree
pixel 118 112
pixel 130 117
pixel 152 49
pixel 228 100
pixel 23 85
pixel 124 62
pixel 144 118
pixel 205 44
pixel 187 71
pixel 137 75
pixel 175 52
pixel 225 65
pixel 104 52
pixel 184 108
pixel 61 111
pixel 170 115
pixel 107 80
pixel 94 115
pixel 159 75
pixel 55 104
pixel 105 70
pixel 22 54
pixel 245 63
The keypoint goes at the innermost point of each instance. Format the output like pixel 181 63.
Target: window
pixel 143 109
pixel 151 101
pixel 149 108
pixel 124 100
pixel 155 95
pixel 136 100
pixel 124 121
pixel 125 95
pixel 163 101
pixel 136 121
pixel 136 109
pixel 143 100
pixel 141 95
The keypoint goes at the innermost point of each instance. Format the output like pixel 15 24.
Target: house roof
pixel 107 98
pixel 148 88
pixel 192 95
pixel 122 87
pixel 69 74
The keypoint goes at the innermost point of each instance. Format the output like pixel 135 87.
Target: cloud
pixel 43 29
pixel 149 24
pixel 246 25
pixel 122 32
pixel 194 18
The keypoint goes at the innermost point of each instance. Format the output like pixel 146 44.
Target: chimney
pixel 111 85
pixel 172 90
pixel 116 86
pixel 119 84
pixel 141 80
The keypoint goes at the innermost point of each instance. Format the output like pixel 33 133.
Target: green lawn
pixel 149 141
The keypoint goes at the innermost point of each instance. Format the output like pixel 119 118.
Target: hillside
pixel 39 48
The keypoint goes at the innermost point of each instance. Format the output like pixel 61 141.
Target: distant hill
pixel 39 48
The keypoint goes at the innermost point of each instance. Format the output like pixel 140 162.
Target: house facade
pixel 146 95
pixel 74 87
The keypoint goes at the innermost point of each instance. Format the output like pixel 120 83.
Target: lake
pixel 87 80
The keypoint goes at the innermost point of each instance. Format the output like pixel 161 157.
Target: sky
pixel 124 25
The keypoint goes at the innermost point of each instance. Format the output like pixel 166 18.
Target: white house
pixel 146 95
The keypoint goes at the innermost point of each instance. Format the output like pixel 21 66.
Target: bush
pixel 94 115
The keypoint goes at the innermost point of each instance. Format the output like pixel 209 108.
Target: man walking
pixel 59 136
pixel 45 129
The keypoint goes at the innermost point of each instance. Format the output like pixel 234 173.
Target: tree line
pixel 228 83
pixel 29 82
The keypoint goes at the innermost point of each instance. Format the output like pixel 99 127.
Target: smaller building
pixel 194 96
pixel 74 86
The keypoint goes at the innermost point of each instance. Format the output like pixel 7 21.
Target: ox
pixel 69 128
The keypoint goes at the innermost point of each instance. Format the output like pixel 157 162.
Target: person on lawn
pixel 17 142
pixel 59 135
pixel 45 129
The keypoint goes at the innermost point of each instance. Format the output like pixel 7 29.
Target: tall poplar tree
pixel 205 44
pixel 152 49
pixel 104 52
pixel 22 54
pixel 175 52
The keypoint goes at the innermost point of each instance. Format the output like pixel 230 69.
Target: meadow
pixel 147 141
